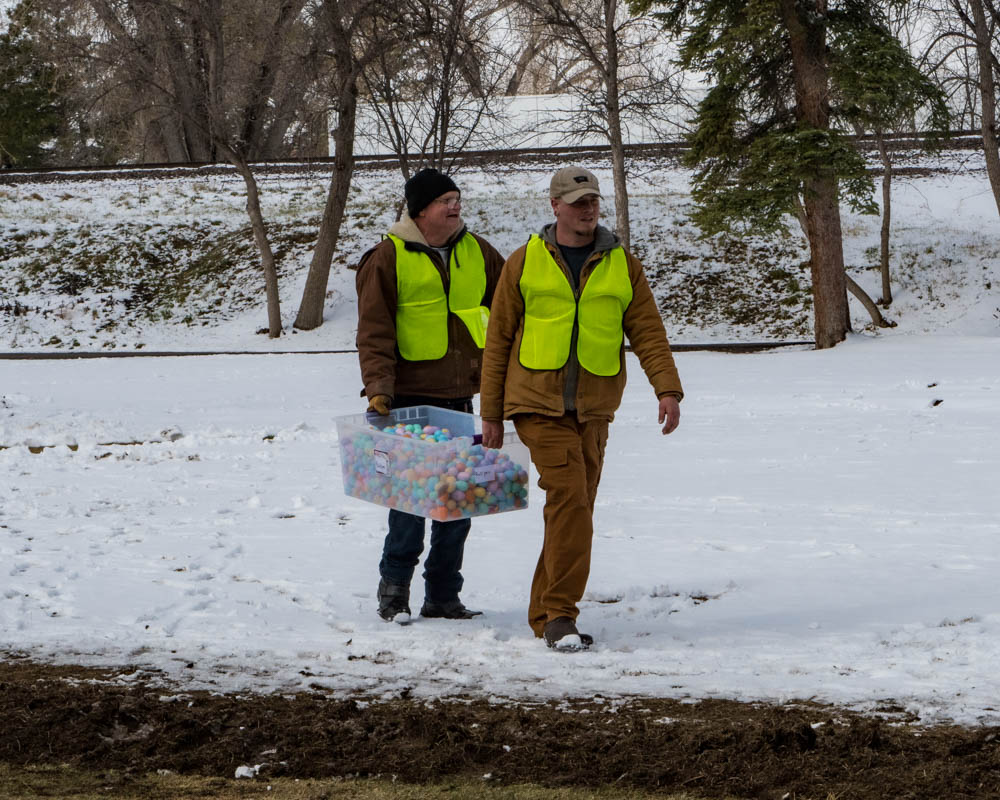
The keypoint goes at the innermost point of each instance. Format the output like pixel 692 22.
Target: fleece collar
pixel 407 230
pixel 604 239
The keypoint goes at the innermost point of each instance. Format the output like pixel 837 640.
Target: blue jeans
pixel 405 540
pixel 443 565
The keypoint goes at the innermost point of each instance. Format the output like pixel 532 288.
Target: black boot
pixel 453 609
pixel 394 602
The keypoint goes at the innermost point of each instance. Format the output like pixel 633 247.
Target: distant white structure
pixel 512 123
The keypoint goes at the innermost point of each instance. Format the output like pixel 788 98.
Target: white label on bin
pixel 484 474
pixel 381 458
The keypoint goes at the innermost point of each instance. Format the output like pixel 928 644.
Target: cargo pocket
pixel 556 457
pixel 551 468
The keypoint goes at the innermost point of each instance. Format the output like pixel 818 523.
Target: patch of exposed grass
pixel 756 285
pixel 148 273
pixel 33 783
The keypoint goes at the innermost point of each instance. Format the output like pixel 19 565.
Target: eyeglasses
pixel 449 202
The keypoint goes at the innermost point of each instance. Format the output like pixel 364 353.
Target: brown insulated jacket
pixel 383 370
pixel 509 388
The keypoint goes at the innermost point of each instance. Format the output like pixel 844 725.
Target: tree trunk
pixel 622 223
pixel 886 300
pixel 870 305
pixel 831 317
pixel 261 97
pixel 987 90
pixel 162 141
pixel 310 314
pixel 157 59
pixel 263 245
pixel 188 92
pixel 615 137
pixel 528 54
pixel 806 25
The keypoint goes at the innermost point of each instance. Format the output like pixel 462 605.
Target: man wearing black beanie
pixel 424 294
pixel 425 187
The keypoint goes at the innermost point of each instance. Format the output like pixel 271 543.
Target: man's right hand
pixel 381 404
pixel 492 434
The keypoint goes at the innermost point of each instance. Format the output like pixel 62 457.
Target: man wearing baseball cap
pixel 555 365
pixel 424 294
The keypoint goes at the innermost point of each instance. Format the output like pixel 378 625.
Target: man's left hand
pixel 670 412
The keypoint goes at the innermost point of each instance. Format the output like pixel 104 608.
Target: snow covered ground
pixel 817 528
pixel 823 525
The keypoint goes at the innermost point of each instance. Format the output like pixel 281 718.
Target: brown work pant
pixel 568 456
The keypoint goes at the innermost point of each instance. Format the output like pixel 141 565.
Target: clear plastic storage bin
pixel 430 462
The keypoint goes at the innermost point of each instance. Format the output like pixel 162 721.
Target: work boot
pixel 453 609
pixel 394 602
pixel 561 634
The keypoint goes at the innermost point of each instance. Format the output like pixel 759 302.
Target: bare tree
pixel 879 88
pixel 543 66
pixel 964 53
pixel 176 65
pixel 982 18
pixel 434 97
pixel 209 76
pixel 532 43
pixel 610 57
pixel 355 33
pixel 207 80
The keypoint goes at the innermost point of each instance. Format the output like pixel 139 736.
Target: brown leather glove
pixel 381 404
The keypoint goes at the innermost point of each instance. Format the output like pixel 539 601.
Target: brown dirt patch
pixel 110 720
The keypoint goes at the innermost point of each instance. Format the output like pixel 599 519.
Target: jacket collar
pixel 407 230
pixel 604 239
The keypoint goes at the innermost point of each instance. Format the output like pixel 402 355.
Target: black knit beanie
pixel 425 187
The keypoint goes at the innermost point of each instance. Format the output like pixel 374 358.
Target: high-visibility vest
pixel 550 308
pixel 421 306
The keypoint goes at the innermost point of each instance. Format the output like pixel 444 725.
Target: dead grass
pixel 34 783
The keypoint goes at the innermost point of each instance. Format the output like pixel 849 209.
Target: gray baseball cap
pixel 571 183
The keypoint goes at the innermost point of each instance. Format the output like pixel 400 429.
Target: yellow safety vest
pixel 550 308
pixel 421 306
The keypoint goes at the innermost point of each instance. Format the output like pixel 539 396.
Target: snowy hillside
pixel 171 264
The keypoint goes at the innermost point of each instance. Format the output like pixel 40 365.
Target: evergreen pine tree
pixel 31 114
pixel 768 142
